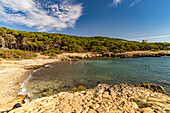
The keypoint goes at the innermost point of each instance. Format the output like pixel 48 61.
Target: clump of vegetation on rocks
pixel 142 105
pixel 95 94
pixel 77 89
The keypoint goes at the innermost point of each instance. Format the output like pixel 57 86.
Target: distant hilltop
pixel 54 43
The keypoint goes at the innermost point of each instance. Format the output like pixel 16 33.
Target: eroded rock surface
pixel 152 87
pixel 102 99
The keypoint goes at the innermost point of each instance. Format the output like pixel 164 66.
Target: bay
pixel 63 76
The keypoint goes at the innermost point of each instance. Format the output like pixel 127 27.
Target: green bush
pixel 34 55
pixel 1 53
pixel 153 49
pixel 45 52
pixel 51 54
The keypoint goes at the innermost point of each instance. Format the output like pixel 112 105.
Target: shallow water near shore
pixel 63 76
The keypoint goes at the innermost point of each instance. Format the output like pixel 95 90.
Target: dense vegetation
pixel 50 43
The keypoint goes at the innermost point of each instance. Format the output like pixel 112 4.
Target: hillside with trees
pixel 53 43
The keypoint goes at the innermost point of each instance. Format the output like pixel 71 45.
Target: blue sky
pixel 127 19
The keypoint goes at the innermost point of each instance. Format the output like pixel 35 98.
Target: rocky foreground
pixel 123 98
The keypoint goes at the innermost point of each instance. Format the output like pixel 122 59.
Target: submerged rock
pixel 32 67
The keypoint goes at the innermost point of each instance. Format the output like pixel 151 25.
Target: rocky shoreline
pixel 104 98
pixel 138 91
pixel 137 54
pixel 132 54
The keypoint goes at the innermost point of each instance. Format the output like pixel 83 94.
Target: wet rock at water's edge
pixel 152 87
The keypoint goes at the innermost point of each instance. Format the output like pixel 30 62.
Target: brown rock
pixel 67 109
pixel 20 98
pixel 92 111
pixel 95 106
pixel 86 110
pixel 147 110
pixel 89 104
pixel 127 98
pixel 32 67
pixel 153 87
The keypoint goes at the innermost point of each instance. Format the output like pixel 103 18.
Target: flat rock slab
pixel 102 99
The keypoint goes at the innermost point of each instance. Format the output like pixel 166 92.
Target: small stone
pixel 106 95
pixel 147 110
pixel 89 103
pixel 95 106
pixel 134 105
pixel 79 109
pixel 67 109
pixel 92 111
pixel 86 110
pixel 143 101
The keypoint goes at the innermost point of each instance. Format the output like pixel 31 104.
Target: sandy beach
pixel 12 74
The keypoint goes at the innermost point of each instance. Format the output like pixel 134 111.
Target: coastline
pixel 12 74
pixel 123 98
pixel 137 54
pixel 95 55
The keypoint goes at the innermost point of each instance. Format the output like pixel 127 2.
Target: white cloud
pixel 155 37
pixel 43 17
pixel 116 2
pixel 134 3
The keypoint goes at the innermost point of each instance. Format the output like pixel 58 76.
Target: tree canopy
pixel 58 43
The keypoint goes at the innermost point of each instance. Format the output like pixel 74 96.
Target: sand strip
pixel 12 74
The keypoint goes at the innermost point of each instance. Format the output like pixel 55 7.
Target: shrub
pixel 1 53
pixel 34 55
pixel 153 49
pixel 45 52
pixel 51 54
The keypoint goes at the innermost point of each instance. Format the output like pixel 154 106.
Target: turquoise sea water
pixel 64 76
